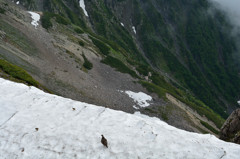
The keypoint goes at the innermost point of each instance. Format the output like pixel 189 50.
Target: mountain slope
pixel 36 125
pixel 128 45
pixel 180 40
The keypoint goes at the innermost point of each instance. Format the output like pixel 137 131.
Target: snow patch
pixel 134 29
pixel 35 18
pixel 66 133
pixel 82 5
pixel 122 24
pixel 17 2
pixel 140 98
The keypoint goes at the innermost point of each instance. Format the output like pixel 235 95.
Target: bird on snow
pixel 104 141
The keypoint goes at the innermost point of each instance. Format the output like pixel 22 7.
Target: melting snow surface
pixel 65 133
pixel 140 98
pixel 82 5
pixel 35 18
pixel 134 29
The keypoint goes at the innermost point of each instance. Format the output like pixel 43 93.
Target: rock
pixel 230 130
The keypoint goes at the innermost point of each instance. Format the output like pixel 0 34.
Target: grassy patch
pixel 78 30
pixel 62 20
pixel 119 65
pixel 104 49
pixel 16 38
pixel 209 127
pixel 17 72
pixel 87 64
pixel 161 92
pixel 151 110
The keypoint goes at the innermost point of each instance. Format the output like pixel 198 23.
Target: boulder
pixel 230 130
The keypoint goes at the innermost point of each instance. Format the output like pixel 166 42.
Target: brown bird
pixel 104 141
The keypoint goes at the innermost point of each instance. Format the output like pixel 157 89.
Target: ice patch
pixel 82 5
pixel 35 18
pixel 134 29
pixel 140 98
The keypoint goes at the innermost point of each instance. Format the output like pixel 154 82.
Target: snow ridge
pixel 37 125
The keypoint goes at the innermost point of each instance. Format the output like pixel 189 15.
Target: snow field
pixel 140 98
pixel 35 18
pixel 82 5
pixel 67 133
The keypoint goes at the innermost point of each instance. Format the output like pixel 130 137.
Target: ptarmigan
pixel 104 141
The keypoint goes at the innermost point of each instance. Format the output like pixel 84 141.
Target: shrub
pixel 2 11
pixel 46 20
pixel 81 43
pixel 119 65
pixel 87 64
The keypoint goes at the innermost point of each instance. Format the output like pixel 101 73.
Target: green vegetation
pixel 87 64
pixel 104 49
pixel 161 92
pixel 202 109
pixel 17 72
pixel 151 110
pixel 78 30
pixel 2 11
pixel 144 69
pixel 81 43
pixel 161 87
pixel 59 7
pixel 46 20
pixel 119 65
pixel 209 127
pixel 62 20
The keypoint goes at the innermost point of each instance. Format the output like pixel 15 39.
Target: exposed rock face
pixel 230 130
